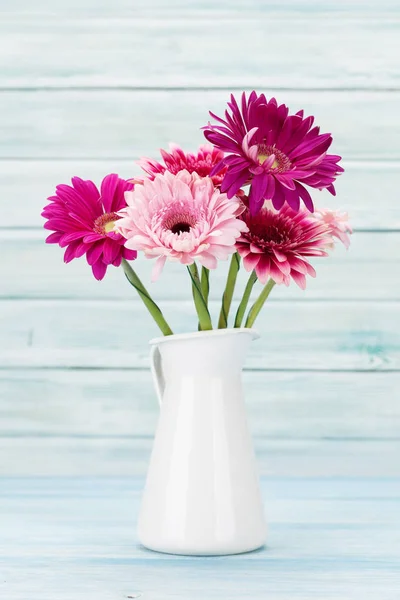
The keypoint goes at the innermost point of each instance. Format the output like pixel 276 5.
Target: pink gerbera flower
pixel 177 160
pixel 277 244
pixel 83 219
pixel 338 223
pixel 182 218
pixel 276 152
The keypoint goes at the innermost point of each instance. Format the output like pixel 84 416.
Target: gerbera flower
pixel 338 223
pixel 181 217
pixel 177 160
pixel 277 244
pixel 83 219
pixel 274 151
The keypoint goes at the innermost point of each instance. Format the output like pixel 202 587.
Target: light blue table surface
pixel 75 538
pixel 86 88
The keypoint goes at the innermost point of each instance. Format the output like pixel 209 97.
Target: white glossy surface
pixel 202 493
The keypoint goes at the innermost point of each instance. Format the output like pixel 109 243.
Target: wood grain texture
pixel 128 124
pixel 88 86
pixel 319 336
pixel 368 190
pixel 180 8
pixel 165 52
pixel 75 538
pixel 121 404
pixel 127 457
pixel 365 272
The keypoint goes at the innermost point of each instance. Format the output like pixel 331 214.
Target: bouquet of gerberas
pixel 242 195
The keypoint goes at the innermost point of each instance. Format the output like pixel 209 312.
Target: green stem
pixel 228 292
pixel 245 300
pixel 205 283
pixel 199 302
pixel 151 306
pixel 259 303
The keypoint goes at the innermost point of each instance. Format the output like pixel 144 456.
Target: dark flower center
pixel 281 162
pixel 178 221
pixel 268 229
pixel 180 228
pixel 105 223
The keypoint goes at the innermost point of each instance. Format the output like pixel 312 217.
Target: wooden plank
pixel 322 503
pixel 122 404
pixel 275 487
pixel 344 275
pixel 180 8
pixel 76 538
pixel 102 51
pixel 279 578
pixel 25 185
pixel 284 581
pixel 128 124
pixel 120 457
pixel 367 190
pixel 114 334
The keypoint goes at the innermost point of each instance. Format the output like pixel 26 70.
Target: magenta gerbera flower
pixel 177 160
pixel 277 153
pixel 83 219
pixel 277 244
pixel 182 218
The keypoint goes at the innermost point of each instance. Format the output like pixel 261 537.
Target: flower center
pixel 281 162
pixel 105 223
pixel 268 230
pixel 179 221
pixel 180 228
pixel 272 233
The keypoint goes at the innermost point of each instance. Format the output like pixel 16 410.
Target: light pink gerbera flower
pixel 277 244
pixel 177 160
pixel 82 219
pixel 338 223
pixel 182 218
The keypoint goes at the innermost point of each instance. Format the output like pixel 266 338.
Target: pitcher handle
pixel 157 373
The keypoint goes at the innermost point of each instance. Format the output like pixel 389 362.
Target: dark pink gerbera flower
pixel 277 243
pixel 177 160
pixel 83 219
pixel 276 152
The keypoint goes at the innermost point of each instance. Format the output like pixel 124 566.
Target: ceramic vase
pixel 202 493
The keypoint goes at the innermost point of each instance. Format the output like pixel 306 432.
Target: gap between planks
pixel 192 88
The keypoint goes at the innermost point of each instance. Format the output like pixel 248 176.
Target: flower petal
pixel 111 250
pixel 54 238
pixel 108 187
pixel 299 278
pixel 94 253
pixel 263 269
pixel 278 199
pixel 305 196
pixel 158 267
pixel 99 269
pixel 251 261
pixel 257 192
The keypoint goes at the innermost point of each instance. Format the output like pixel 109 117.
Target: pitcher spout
pixel 205 351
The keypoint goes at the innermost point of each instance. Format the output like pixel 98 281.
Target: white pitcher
pixel 202 493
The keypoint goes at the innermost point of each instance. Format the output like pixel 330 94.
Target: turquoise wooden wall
pixel 86 88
